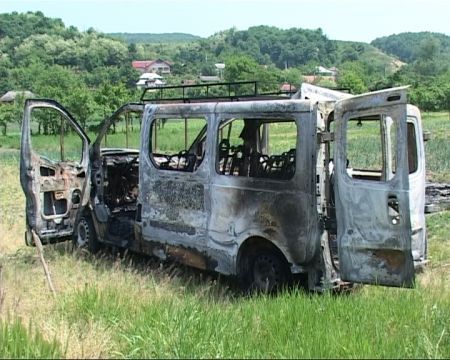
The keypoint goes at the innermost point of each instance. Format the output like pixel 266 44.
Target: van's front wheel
pixel 85 236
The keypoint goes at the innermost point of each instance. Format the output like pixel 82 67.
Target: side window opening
pixel 412 148
pixel 257 148
pixel 372 147
pixel 178 143
pixel 53 138
pixel 60 149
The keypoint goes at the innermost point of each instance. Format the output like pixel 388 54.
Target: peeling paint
pixel 211 219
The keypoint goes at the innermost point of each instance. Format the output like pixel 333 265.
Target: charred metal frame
pixel 213 221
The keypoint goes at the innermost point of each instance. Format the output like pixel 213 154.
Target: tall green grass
pixel 18 342
pixel 374 323
pixel 437 149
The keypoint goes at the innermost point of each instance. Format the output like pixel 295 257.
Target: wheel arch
pixel 253 243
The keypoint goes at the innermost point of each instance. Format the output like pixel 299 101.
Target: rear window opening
pixel 366 138
pixel 257 148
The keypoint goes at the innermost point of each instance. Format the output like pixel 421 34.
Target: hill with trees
pixel 88 72
pixel 428 69
pixel 410 47
pixel 148 38
pixel 91 74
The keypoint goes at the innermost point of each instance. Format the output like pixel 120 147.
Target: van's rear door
pixel 54 170
pixel 416 159
pixel 372 189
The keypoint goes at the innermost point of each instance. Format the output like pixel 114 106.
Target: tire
pixel 268 272
pixel 85 237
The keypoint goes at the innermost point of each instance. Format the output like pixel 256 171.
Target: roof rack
pixel 217 92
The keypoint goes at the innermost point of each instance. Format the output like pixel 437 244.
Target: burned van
pixel 332 189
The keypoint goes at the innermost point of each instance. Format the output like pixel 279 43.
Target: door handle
pixel 393 209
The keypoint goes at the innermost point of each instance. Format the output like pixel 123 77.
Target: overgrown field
pixel 118 305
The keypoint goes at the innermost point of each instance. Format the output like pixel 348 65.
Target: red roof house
pixel 152 66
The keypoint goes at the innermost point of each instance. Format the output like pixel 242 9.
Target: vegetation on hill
pixel 410 47
pixel 148 38
pixel 428 69
pixel 91 74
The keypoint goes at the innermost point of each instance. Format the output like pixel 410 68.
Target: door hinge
pixel 324 137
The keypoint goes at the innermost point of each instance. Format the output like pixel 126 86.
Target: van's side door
pixel 54 170
pixel 372 189
pixel 173 180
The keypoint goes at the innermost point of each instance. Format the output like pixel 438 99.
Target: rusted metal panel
pixel 181 209
pixel 370 236
pixel 203 218
pixel 55 191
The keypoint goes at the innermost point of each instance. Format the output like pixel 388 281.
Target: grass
pixel 282 138
pixel 376 323
pixel 117 305
pixel 438 148
pixel 18 342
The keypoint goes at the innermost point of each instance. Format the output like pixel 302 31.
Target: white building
pixel 147 80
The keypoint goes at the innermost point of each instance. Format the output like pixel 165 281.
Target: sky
pixel 355 20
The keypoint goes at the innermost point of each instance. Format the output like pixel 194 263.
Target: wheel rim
pixel 266 273
pixel 83 233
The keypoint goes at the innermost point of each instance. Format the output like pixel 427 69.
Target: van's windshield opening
pixel 124 132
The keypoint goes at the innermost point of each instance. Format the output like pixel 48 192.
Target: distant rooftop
pixel 10 96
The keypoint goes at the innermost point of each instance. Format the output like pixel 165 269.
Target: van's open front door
pixel 372 189
pixel 54 170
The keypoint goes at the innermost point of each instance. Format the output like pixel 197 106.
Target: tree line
pixel 90 73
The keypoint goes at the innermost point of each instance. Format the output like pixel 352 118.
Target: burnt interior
pixel 116 189
pixel 248 154
pixel 181 161
pixel 241 161
pixel 121 181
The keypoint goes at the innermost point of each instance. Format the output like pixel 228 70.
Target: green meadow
pixel 119 305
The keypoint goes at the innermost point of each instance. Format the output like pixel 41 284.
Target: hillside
pixel 41 54
pixel 353 51
pixel 148 38
pixel 409 46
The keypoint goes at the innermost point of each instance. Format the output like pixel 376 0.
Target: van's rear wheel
pixel 85 235
pixel 267 270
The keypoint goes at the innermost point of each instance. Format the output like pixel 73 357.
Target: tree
pixel 351 77
pixel 79 101
pixel 109 98
pixel 240 67
pixel 291 76
pixel 7 116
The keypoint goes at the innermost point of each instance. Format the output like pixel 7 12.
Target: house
pixel 152 66
pixel 322 71
pixel 322 74
pixel 289 88
pixel 151 79
pixel 11 96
